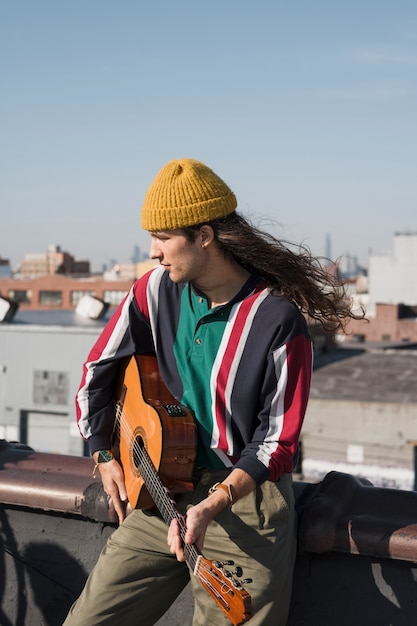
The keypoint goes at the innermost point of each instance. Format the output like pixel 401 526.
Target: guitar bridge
pixel 174 410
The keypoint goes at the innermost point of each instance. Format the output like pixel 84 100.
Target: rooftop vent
pixel 7 309
pixel 91 307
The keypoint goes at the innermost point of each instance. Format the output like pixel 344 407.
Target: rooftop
pixel 376 373
pixel 57 318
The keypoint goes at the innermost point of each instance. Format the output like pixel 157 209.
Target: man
pixel 223 313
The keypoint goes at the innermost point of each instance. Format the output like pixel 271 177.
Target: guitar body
pixel 147 415
pixel 154 439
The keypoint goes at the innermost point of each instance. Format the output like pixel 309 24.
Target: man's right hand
pixel 113 481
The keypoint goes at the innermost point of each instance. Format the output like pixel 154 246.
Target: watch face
pixel 104 456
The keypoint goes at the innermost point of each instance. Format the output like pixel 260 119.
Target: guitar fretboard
pixel 164 503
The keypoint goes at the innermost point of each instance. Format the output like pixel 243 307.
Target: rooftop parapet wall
pixel 348 515
pixel 356 562
pixel 57 483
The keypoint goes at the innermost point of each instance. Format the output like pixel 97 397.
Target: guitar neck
pixel 164 503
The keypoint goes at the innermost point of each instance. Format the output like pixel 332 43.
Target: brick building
pixel 57 291
pixel 54 261
pixel 391 301
pixel 63 292
pixel 396 323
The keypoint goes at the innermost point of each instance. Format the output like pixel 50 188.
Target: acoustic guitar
pixel 154 439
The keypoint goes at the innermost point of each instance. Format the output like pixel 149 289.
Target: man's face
pixel 183 260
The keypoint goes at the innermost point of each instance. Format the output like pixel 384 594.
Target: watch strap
pixel 104 456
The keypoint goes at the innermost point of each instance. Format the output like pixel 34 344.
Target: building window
pixel 114 297
pixel 50 298
pixel 386 338
pixel 22 296
pixel 50 387
pixel 77 295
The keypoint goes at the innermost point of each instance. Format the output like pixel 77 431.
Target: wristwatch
pixel 104 456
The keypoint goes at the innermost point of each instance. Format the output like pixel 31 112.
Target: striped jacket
pixel 244 369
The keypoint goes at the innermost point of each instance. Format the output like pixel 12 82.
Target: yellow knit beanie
pixel 184 193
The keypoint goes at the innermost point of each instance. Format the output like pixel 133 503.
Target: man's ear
pixel 206 235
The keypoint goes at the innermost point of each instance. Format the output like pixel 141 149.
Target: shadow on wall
pixel 43 574
pixel 54 592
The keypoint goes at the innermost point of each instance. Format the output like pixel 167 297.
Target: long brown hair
pixel 298 275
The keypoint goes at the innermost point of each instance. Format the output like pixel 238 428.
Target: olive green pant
pixel 136 578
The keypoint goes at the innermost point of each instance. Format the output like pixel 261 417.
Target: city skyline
pixel 306 110
pixel 138 254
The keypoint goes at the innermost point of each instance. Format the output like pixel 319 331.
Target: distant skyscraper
pixel 136 254
pixel 348 265
pixel 328 247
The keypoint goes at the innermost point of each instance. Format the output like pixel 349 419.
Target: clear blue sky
pixel 308 110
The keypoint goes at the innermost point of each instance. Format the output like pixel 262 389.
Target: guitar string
pixel 156 484
pixel 159 492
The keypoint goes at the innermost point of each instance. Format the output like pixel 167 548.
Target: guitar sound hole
pixel 138 447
